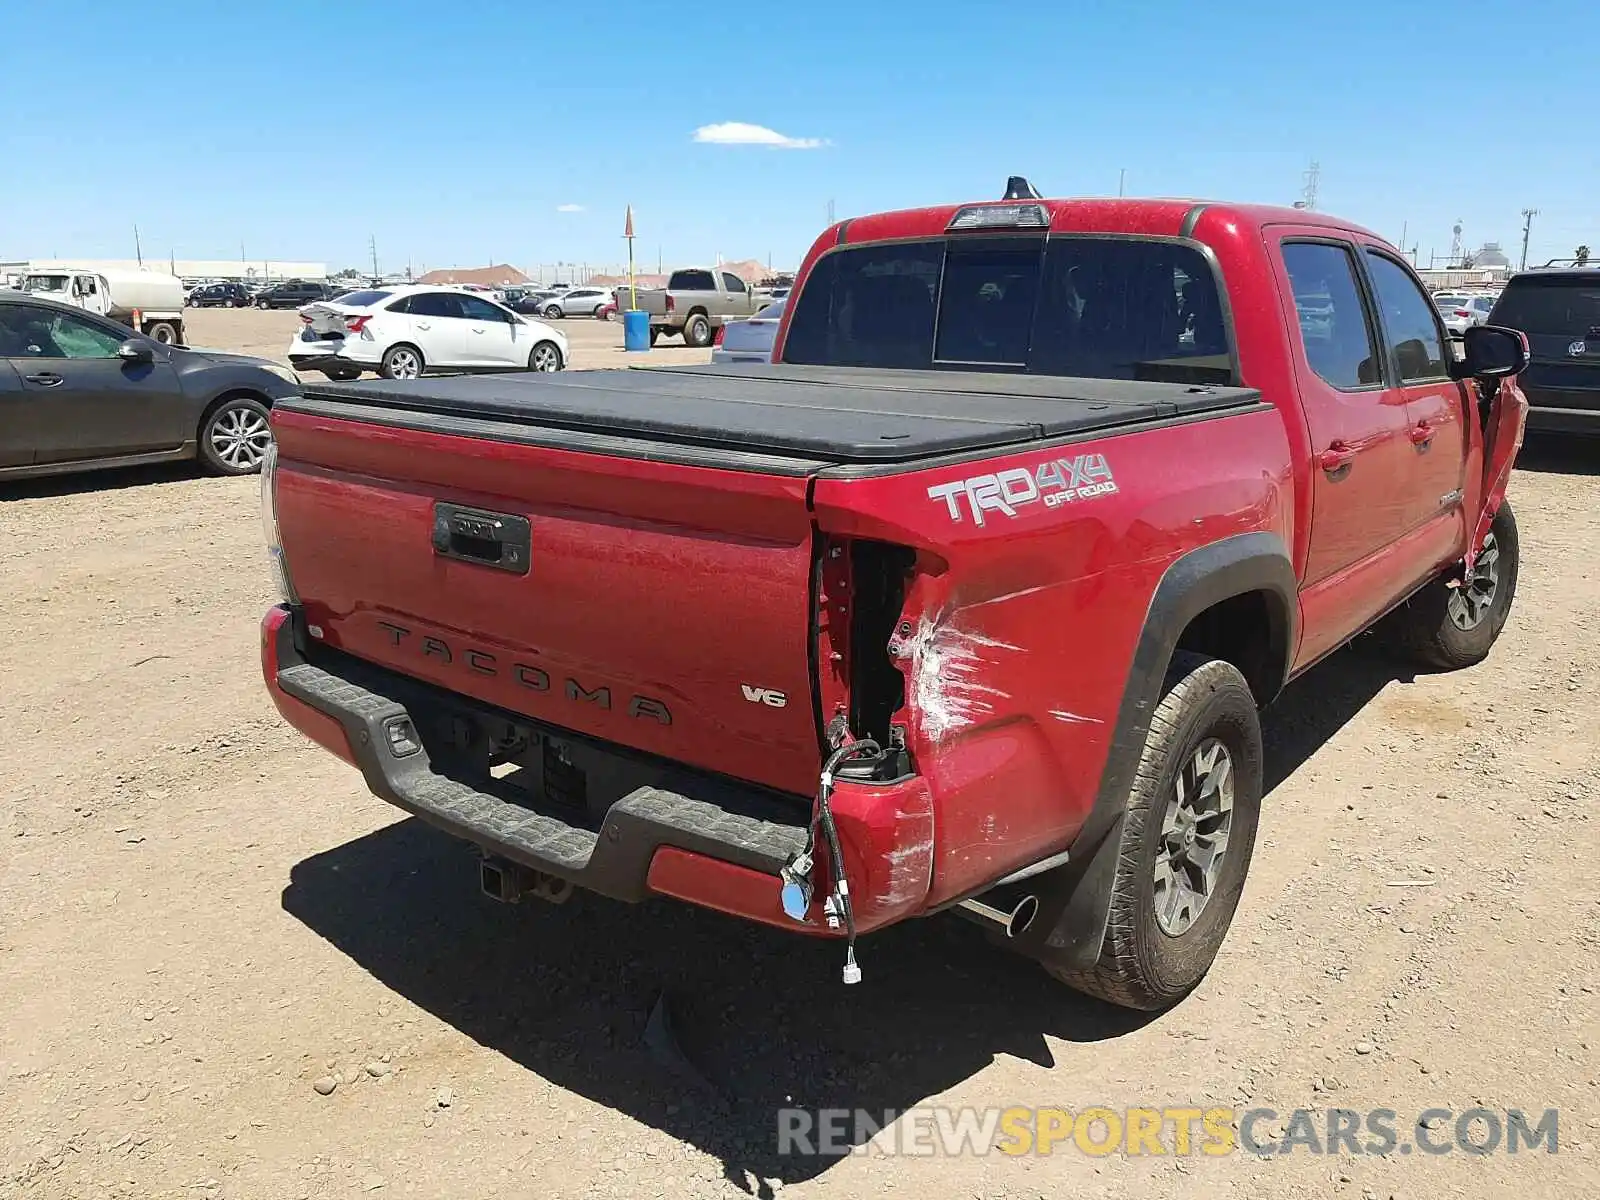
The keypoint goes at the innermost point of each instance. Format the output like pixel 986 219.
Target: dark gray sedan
pixel 79 391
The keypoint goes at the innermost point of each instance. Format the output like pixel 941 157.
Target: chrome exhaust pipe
pixel 1012 923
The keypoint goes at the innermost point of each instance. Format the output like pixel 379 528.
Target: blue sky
pixel 453 133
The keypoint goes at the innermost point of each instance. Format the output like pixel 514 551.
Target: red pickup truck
pixel 968 601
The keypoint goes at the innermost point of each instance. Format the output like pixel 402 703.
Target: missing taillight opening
pixel 357 324
pixel 879 575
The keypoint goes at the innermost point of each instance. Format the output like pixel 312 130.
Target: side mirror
pixel 136 350
pixel 1492 352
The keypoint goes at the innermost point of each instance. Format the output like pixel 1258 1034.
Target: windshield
pixel 45 283
pixel 1551 304
pixel 1086 306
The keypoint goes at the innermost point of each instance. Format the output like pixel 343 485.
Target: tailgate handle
pixel 474 535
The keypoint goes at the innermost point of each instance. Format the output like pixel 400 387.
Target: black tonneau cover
pixel 829 415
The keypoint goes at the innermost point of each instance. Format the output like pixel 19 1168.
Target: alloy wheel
pixel 1194 837
pixel 1471 601
pixel 240 437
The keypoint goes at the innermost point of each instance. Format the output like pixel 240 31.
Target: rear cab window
pixel 1103 307
pixel 364 299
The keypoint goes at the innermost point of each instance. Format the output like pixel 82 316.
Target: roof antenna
pixel 1018 188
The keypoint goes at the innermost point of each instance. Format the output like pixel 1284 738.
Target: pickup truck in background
pixel 970 600
pixel 694 303
pixel 149 302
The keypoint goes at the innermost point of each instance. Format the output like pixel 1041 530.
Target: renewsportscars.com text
pixel 1180 1131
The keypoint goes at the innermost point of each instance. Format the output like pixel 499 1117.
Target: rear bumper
pixel 695 837
pixel 1565 411
pixel 333 352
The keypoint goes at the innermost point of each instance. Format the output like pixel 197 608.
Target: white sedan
pixel 405 332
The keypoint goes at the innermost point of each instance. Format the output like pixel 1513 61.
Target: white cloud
pixel 569 208
pixel 738 133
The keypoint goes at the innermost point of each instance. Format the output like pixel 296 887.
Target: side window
pixel 1333 321
pixel 481 310
pixel 1410 322
pixel 27 332
pixel 402 305
pixel 436 304
pixel 733 283
pixel 691 281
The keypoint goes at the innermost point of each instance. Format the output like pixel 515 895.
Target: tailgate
pixel 661 606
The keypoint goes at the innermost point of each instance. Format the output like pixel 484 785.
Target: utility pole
pixel 1404 225
pixel 830 212
pixel 138 251
pixel 372 245
pixel 1528 214
pixel 1122 181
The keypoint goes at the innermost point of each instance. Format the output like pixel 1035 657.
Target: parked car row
pixel 1460 311
pixel 406 332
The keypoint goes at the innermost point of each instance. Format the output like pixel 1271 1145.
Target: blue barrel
pixel 635 330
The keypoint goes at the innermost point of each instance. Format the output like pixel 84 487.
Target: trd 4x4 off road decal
pixel 1059 481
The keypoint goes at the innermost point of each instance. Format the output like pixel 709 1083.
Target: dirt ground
pixel 202 916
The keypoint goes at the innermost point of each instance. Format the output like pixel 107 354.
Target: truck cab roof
pixel 1150 217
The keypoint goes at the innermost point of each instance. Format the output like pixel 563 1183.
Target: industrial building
pixel 220 269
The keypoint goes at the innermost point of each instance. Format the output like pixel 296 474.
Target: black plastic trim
pixel 1075 905
pixel 688 810
pixel 1190 220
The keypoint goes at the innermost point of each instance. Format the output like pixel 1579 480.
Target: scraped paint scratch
pixel 910 867
pixel 1072 718
pixel 947 666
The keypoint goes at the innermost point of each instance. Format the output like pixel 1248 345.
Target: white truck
pixel 149 301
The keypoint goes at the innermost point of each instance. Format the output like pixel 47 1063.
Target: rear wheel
pixel 162 331
pixel 697 332
pixel 1449 626
pixel 402 362
pixel 234 436
pixel 546 356
pixel 1188 833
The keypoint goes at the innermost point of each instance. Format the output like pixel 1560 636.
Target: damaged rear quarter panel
pixel 1018 634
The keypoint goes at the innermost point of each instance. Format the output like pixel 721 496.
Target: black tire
pixel 546 356
pixel 1142 965
pixel 394 364
pixel 1448 628
pixel 697 331
pixel 234 435
pixel 344 376
pixel 164 332
pixel 553 312
pixel 262 305
pixel 654 334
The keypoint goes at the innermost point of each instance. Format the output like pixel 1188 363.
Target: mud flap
pixel 1502 438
